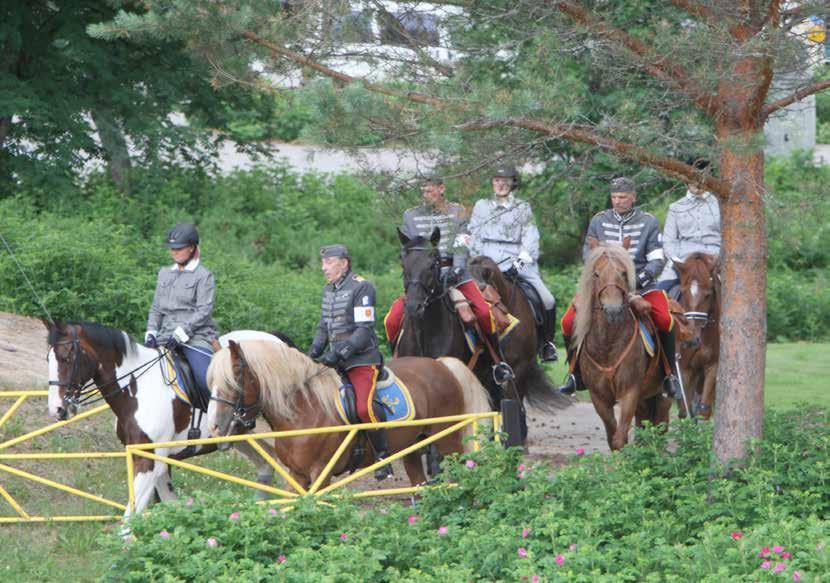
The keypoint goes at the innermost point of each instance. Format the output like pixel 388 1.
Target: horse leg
pixel 628 406
pixel 264 471
pixel 144 481
pixel 605 410
pixel 707 398
pixel 414 468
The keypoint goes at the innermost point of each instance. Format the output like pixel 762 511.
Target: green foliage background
pixel 92 252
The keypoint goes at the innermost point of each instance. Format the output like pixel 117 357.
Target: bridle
pixel 705 317
pixel 437 290
pixel 73 389
pixel 243 415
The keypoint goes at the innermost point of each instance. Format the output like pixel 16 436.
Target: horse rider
pixel 503 228
pixel 346 340
pixel 692 224
pixel 623 220
pixel 181 313
pixel 453 250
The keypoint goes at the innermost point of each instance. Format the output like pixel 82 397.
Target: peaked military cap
pixel 336 250
pixel 623 184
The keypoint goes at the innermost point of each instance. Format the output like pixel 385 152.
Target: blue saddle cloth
pixel 648 339
pixel 392 393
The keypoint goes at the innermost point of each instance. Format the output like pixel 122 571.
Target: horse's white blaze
pixel 211 413
pixel 55 400
pixel 694 289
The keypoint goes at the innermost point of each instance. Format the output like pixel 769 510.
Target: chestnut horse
pixel 614 363
pixel 700 298
pixel 91 362
pixel 291 391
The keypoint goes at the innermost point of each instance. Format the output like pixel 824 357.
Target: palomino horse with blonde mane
pixel 614 363
pixel 700 298
pixel 291 391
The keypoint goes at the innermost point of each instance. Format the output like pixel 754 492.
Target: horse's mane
pixel 497 278
pixel 697 266
pixel 585 288
pixel 283 373
pixel 99 336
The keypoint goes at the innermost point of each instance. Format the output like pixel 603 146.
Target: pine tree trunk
pixel 115 146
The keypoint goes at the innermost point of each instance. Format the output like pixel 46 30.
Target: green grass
pixel 70 552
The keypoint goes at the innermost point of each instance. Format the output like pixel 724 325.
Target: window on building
pixel 420 28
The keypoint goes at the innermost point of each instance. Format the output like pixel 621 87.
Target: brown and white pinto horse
pixel 291 391
pixel 614 364
pixel 700 298
pixel 86 359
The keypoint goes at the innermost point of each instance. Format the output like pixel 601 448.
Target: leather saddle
pixel 198 396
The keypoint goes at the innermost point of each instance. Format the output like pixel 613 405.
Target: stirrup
pixel 569 388
pixel 502 373
pixel 671 388
pixel 384 471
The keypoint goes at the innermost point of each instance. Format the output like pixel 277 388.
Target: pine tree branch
pixel 774 106
pixel 658 66
pixel 697 10
pixel 586 135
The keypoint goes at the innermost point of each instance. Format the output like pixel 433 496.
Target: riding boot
pixel 671 386
pixel 380 443
pixel 573 382
pixel 548 351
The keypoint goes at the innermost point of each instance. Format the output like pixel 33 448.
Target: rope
pixel 28 282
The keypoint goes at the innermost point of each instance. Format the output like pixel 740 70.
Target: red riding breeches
pixel 364 379
pixel 659 312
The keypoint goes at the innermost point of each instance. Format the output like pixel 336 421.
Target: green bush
pixel 649 513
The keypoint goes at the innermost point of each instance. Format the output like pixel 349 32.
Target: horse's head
pixel 73 362
pixel 421 271
pixel 698 289
pixel 611 272
pixel 234 394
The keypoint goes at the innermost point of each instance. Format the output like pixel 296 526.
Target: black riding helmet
pixel 182 235
pixel 508 171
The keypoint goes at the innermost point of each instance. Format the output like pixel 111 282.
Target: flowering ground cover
pixel 649 513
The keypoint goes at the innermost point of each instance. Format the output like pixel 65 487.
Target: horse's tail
pixel 541 393
pixel 476 397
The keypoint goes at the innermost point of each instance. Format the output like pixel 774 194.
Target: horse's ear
pixel 435 238
pixel 48 324
pixel 402 236
pixel 593 243
pixel 678 266
pixel 234 348
pixel 626 243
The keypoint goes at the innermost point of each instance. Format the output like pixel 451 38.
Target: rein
pixel 240 410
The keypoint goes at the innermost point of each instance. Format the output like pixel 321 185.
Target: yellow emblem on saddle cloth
pixel 172 377
pixel 394 395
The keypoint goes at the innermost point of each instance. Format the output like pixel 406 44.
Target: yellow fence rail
pixel 23 516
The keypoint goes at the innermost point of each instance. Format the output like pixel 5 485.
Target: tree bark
pixel 115 146
pixel 739 415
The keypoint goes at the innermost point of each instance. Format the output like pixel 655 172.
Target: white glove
pixel 181 335
pixel 463 240
pixel 523 259
pixel 148 335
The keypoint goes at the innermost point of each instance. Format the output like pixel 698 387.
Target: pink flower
pixel 560 560
pixel 211 542
pixel 796 575
pixel 234 516
pixel 442 530
pixel 521 467
pixel 521 474
pixel 188 502
pixel 413 519
pixel 470 464
pixel 580 451
pixel 786 555
pixel 572 548
pixel 534 579
pixel 164 534
pixel 344 536
pixel 738 534
pixel 766 565
pixel 522 552
pixel 273 511
pixel 778 549
pixel 525 532
pixel 779 567
pixel 764 552
pixel 281 559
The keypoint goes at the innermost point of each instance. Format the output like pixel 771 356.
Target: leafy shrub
pixel 645 514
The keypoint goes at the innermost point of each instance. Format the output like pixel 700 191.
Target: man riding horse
pixel 346 340
pixel 453 248
pixel 503 228
pixel 625 224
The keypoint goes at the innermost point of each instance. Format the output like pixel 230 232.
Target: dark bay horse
pixel 700 298
pixel 432 328
pixel 89 360
pixel 612 359
pixel 291 391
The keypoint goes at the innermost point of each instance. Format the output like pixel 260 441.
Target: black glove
pixel 454 275
pixel 172 343
pixel 329 359
pixel 644 278
pixel 315 351
pixel 151 341
pixel 345 352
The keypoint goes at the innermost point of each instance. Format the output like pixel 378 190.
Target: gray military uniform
pixel 184 298
pixel 347 321
pixel 502 230
pixel 692 225
pixel 421 220
pixel 646 248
